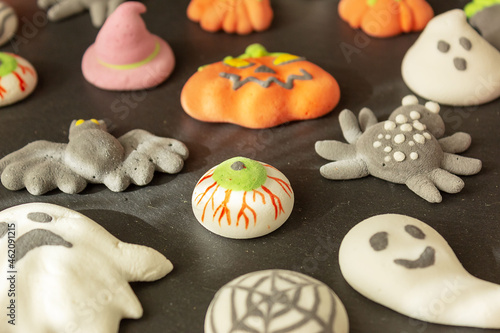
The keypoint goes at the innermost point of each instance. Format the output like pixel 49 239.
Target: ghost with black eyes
pixel 450 63
pixel 407 266
pixel 64 273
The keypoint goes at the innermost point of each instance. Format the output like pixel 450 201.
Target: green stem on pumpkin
pixel 478 5
pixel 252 51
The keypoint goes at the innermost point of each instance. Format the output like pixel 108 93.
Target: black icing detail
pixel 414 231
pixel 238 82
pixel 39 217
pixel 379 241
pixel 4 227
pixel 264 69
pixel 443 46
pixel 426 259
pixel 36 238
pixel 286 295
pixel 460 64
pixel 237 166
pixel 466 43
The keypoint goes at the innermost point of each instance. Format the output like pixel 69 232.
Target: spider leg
pixel 63 9
pixel 350 126
pixel 457 143
pixel 425 188
pixel 366 118
pixel 98 12
pixel 346 169
pixel 335 150
pixel 446 181
pixel 460 165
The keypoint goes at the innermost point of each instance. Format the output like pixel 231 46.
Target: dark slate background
pixel 160 215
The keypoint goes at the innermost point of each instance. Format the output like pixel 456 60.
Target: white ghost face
pixel 70 274
pixel 406 265
pixel 395 246
pixel 380 242
pixel 451 63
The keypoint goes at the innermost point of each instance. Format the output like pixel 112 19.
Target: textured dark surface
pixel 160 215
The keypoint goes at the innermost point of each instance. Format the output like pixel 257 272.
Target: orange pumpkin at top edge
pixel 386 18
pixel 232 16
pixel 260 90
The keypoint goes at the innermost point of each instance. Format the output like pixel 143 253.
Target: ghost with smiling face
pixel 70 275
pixel 404 264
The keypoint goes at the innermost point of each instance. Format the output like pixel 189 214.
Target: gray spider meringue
pixel 406 149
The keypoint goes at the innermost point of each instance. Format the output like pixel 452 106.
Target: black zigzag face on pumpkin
pixel 281 70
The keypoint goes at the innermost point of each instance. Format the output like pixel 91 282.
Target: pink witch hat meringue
pixel 125 55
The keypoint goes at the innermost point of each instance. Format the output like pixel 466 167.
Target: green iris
pixel 7 64
pixel 240 174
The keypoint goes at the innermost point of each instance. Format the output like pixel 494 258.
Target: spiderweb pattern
pixel 273 301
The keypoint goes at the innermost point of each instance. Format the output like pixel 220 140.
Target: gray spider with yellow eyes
pixel 91 156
